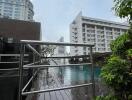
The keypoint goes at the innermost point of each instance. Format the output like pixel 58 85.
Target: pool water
pixel 80 74
pixel 70 76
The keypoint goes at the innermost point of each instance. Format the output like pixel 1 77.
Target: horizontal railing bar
pixel 10 69
pixel 12 55
pixel 32 63
pixel 34 50
pixel 55 43
pixel 14 69
pixel 13 62
pixel 56 89
pixel 9 62
pixel 30 80
pixel 48 66
pixel 4 76
pixel 81 56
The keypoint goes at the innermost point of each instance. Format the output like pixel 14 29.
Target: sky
pixel 56 15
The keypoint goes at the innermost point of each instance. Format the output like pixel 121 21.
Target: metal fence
pixel 37 66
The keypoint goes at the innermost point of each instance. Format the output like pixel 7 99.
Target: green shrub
pixel 120 45
pixel 117 73
pixel 109 97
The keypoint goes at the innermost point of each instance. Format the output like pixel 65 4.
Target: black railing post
pixel 22 50
pixel 92 72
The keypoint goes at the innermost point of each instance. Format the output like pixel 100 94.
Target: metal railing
pixel 36 65
pixel 5 72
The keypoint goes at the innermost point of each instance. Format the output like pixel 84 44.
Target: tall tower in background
pixel 17 9
pixel 60 51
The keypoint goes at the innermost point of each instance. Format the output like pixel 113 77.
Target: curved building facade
pixel 17 9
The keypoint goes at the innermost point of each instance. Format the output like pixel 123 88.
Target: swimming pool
pixel 69 76
pixel 77 74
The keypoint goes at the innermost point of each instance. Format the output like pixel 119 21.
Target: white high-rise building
pixel 94 31
pixel 17 9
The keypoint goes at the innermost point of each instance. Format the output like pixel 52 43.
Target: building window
pixel 84 30
pixel 84 48
pixel 117 30
pixel 83 25
pixel 108 29
pixel 84 53
pixel 88 40
pixel 88 35
pixel 90 26
pixel 93 35
pixel 75 29
pixel 84 34
pixel 76 51
pixel 76 41
pixel 84 39
pixel 117 33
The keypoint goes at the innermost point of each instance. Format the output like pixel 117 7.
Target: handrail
pixel 56 57
pixel 46 66
pixel 56 89
pixel 14 62
pixel 12 55
pixel 8 76
pixel 55 43
pixel 10 69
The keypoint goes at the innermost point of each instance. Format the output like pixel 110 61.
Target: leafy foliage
pixel 129 54
pixel 117 73
pixel 47 50
pixel 123 8
pixel 120 45
pixel 109 97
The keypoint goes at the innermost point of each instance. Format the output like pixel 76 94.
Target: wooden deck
pixel 52 80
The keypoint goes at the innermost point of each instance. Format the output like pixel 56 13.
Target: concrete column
pixel 105 37
pixel 96 39
pixel 113 34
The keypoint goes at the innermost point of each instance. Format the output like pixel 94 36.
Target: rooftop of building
pixel 105 21
pixel 100 20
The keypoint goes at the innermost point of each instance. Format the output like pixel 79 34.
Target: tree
pixel 123 8
pixel 120 45
pixel 117 73
pixel 47 50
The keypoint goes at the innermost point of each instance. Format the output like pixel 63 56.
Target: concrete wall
pixel 20 29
